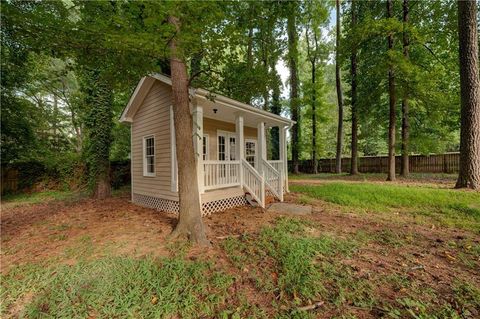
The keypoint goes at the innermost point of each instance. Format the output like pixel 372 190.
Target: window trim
pixel 144 158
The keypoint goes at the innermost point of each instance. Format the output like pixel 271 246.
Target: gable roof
pixel 145 84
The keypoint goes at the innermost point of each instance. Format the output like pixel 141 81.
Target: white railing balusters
pixel 273 179
pixel 277 164
pixel 253 183
pixel 219 174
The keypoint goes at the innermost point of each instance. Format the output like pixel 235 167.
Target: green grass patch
pixel 447 206
pixel 39 197
pixel 297 264
pixel 420 177
pixel 117 287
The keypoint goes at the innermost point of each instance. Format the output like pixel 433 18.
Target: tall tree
pixel 292 64
pixel 469 174
pixel 312 55
pixel 405 171
pixel 190 222
pixel 98 125
pixel 392 101
pixel 354 107
pixel 338 79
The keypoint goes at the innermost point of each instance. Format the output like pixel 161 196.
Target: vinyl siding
pixel 153 118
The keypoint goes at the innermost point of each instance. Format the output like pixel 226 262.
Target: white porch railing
pixel 277 164
pixel 253 183
pixel 273 179
pixel 219 174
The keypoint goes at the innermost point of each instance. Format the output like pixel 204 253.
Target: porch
pixel 231 146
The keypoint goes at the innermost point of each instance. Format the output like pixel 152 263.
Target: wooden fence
pixel 447 163
pixel 9 182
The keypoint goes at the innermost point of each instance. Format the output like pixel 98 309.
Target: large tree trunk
pixel 190 224
pixel 353 70
pixel 292 58
pixel 469 174
pixel 392 100
pixel 338 162
pixel 405 169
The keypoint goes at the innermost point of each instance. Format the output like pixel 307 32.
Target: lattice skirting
pixel 170 206
pixel 223 204
pixel 164 205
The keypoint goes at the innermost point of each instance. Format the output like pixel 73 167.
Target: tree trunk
pixel 292 55
pixel 98 125
pixel 391 93
pixel 276 108
pixel 353 70
pixel 338 162
pixel 314 119
pixel 55 122
pixel 190 224
pixel 405 169
pixel 469 174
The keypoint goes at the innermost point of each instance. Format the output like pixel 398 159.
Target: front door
pixel 226 152
pixel 226 146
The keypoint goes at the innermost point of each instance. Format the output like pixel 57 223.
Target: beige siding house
pixel 230 140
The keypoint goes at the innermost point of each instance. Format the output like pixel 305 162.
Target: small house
pixel 230 139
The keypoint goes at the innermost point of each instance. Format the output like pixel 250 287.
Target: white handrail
pixel 219 174
pixel 273 179
pixel 253 182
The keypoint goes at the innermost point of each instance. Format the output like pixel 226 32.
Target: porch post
pixel 240 149
pixel 198 144
pixel 283 154
pixel 262 150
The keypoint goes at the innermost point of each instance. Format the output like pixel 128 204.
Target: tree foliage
pixel 69 67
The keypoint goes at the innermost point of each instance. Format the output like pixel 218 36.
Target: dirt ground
pixel 55 230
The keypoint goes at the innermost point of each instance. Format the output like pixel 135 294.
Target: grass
pixel 291 263
pixel 297 266
pixel 448 207
pixel 421 177
pixel 39 197
pixel 119 287
pixel 268 273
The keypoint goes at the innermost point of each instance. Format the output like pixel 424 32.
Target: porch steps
pixel 254 203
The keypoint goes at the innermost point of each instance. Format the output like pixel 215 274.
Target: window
pixel 250 151
pixel 232 147
pixel 205 147
pixel 221 148
pixel 149 156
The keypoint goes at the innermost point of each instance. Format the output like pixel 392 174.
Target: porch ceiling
pixel 226 112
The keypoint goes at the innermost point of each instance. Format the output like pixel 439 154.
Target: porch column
pixel 262 150
pixel 240 149
pixel 284 154
pixel 198 144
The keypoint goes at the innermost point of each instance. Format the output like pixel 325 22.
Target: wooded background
pixel 69 68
